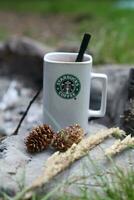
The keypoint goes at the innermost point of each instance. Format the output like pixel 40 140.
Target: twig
pixel 26 111
pixel 2 138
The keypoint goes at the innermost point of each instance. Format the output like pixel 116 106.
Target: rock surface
pixel 17 165
pixel 23 57
pixel 21 60
pixel 18 168
pixel 117 92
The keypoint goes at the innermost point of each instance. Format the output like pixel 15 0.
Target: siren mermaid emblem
pixel 67 86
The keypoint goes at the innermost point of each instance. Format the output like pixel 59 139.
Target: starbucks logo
pixel 67 86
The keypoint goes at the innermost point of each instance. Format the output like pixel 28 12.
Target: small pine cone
pixel 65 138
pixel 39 138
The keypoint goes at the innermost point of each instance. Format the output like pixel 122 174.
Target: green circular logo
pixel 67 86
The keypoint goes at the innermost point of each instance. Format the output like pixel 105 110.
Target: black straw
pixel 83 47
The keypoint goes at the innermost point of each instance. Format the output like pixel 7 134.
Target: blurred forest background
pixel 63 23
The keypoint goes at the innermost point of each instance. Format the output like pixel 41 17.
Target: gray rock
pixel 21 59
pixel 117 92
pixel 26 46
pixel 2 132
pixel 17 165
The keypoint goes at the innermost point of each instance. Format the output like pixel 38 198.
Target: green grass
pixel 119 185
pixel 56 6
pixel 111 28
pixel 4 34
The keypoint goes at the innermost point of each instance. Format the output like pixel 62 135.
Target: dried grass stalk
pixel 119 146
pixel 60 161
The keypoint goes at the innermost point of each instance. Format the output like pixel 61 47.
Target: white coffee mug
pixel 66 90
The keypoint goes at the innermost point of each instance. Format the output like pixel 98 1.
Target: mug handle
pixel 101 112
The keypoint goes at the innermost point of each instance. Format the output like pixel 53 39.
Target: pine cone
pixel 39 138
pixel 65 138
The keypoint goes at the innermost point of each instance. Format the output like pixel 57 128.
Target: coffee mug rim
pixel 66 53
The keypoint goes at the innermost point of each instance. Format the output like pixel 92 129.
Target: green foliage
pixel 111 28
pixel 3 33
pixel 115 185
pixel 56 6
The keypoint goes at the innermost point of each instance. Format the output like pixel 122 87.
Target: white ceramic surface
pixel 66 90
